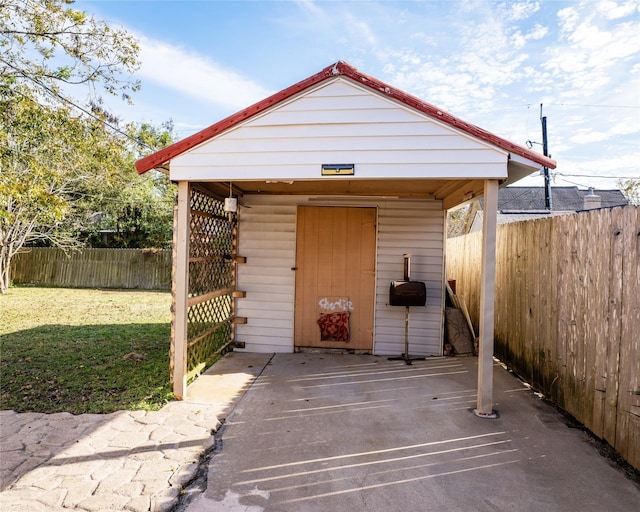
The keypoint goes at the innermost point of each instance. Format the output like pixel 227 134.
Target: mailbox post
pixel 407 293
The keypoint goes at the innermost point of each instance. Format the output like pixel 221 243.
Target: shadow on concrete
pixel 33 445
pixel 321 432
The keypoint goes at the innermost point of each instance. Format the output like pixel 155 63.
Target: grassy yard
pixel 84 351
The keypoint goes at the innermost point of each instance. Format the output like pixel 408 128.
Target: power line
pixel 75 105
pixel 590 105
pixel 597 176
pixel 529 105
pixel 572 182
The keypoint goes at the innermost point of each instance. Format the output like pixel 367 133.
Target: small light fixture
pixel 338 169
pixel 230 203
pixel 468 196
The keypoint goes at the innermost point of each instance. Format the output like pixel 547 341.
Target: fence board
pixel 557 327
pixel 147 269
pixel 628 411
pixel 568 313
pixel 599 255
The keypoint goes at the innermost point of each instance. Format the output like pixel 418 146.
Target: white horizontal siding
pixel 340 151
pixel 336 136
pixel 285 171
pixel 431 133
pixel 416 228
pixel 267 239
pixel 341 123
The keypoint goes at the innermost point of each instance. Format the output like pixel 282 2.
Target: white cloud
pixel 623 165
pixel 568 18
pixel 196 75
pixel 515 11
pixel 587 136
pixel 590 55
pixel 614 10
pixel 422 37
pixel 362 30
pixel 538 32
pixel 310 7
pixel 518 40
pixel 589 37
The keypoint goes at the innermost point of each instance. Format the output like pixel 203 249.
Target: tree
pixel 459 220
pixel 631 189
pixel 127 210
pixel 49 155
pixel 41 157
pixel 48 45
pixel 64 178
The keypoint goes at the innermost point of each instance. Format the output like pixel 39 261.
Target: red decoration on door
pixel 334 327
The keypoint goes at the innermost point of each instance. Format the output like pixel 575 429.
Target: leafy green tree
pixel 48 45
pixel 56 166
pixel 459 220
pixel 41 157
pixel 631 189
pixel 66 179
pixel 128 210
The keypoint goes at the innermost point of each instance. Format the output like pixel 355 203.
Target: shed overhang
pixel 452 192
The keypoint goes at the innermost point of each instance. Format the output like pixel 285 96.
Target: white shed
pixel 336 178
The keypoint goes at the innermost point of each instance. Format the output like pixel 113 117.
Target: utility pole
pixel 545 150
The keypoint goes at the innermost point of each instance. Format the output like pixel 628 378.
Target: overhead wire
pixel 59 96
pixel 591 105
pixel 110 126
pixel 597 176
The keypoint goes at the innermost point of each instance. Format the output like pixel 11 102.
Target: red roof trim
pixel 339 68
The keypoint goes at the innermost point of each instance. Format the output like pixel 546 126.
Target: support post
pixel 181 286
pixel 487 301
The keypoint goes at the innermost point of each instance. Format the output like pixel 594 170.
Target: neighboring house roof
pixel 517 204
pixel 338 69
pixel 526 199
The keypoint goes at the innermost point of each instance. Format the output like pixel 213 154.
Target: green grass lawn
pixel 84 351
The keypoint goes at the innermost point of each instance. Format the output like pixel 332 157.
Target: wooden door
pixel 335 277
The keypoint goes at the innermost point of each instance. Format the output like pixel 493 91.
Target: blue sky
pixel 491 63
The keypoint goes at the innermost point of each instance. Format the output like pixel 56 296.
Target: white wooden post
pixel 181 285
pixel 487 301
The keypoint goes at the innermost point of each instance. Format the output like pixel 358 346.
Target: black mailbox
pixel 407 293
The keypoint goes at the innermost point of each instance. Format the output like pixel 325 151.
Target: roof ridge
pixel 339 68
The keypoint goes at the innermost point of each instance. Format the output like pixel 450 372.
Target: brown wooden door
pixel 335 261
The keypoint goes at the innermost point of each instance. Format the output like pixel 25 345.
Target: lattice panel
pixel 211 231
pixel 205 203
pixel 211 265
pixel 205 315
pixel 210 275
pixel 201 355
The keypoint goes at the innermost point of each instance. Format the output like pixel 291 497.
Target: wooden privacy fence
pixel 148 269
pixel 567 315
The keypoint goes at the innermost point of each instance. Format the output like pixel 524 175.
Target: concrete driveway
pixel 333 432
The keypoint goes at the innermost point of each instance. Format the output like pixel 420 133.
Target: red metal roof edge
pixel 164 155
pixel 339 68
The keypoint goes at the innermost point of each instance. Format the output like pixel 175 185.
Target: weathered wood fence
pixel 147 269
pixel 567 316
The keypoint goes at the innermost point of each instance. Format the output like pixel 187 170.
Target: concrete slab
pixel 319 432
pixel 224 382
